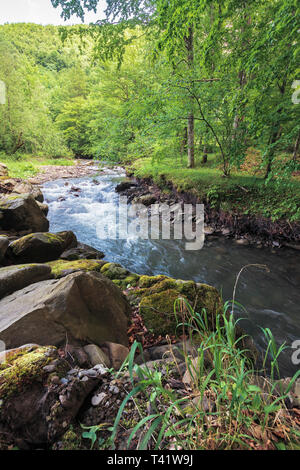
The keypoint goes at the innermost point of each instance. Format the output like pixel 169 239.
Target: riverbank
pixel 240 207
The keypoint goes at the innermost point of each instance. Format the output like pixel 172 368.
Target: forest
pixel 205 86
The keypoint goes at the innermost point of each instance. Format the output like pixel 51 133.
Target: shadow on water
pixel 270 299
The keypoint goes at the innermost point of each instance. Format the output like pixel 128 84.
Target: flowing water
pixel 271 299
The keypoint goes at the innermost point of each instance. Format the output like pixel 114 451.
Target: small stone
pixel 97 399
pixel 55 380
pixel 208 230
pixel 49 369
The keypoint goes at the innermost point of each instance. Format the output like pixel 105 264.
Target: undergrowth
pixel 225 406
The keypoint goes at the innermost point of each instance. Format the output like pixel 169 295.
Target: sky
pixel 41 12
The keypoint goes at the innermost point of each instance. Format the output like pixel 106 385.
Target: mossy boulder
pixel 37 248
pixel 61 268
pixel 36 410
pixel 157 311
pixel 80 251
pixel 120 276
pixel 14 278
pixel 22 369
pixel 114 271
pixel 157 305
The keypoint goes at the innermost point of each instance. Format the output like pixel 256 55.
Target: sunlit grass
pixel 27 166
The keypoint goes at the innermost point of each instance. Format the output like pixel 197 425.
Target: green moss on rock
pixel 70 441
pixel 157 303
pixel 148 281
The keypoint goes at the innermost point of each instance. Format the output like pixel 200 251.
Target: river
pixel 270 299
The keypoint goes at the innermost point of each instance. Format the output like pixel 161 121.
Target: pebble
pixel 97 399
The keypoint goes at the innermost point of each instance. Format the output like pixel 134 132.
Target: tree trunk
pixel 296 148
pixel 189 42
pixel 275 133
pixel 184 141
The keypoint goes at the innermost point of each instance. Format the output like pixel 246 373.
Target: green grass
pixel 26 166
pixel 241 414
pixel 241 192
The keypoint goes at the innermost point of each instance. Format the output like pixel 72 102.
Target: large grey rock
pixel 82 251
pixel 21 212
pixel 4 242
pixel 79 308
pixel 37 248
pixel 14 278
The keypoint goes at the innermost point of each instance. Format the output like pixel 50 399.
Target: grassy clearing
pixel 244 192
pixel 225 406
pixel 26 166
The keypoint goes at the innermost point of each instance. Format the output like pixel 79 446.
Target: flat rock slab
pixel 14 278
pixel 80 308
pixel 37 248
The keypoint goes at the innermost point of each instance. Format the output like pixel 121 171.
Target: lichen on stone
pixel 158 312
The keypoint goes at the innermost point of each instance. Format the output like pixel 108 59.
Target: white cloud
pixel 41 12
